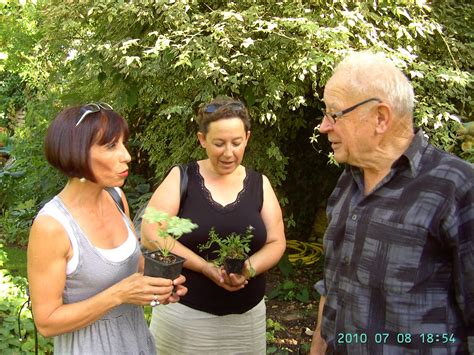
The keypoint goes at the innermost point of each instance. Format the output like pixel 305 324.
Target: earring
pixel 82 179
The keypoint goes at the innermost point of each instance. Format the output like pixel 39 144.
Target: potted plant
pixel 161 262
pixel 232 251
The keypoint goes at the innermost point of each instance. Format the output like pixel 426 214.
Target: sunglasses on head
pixel 93 108
pixel 211 108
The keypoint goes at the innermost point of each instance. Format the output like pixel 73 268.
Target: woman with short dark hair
pixel 84 260
pixel 222 313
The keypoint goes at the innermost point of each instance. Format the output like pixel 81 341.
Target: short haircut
pixel 225 108
pixel 67 146
pixel 374 75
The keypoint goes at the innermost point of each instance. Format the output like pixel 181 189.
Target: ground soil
pixel 297 318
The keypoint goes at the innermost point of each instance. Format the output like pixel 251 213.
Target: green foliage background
pixel 17 330
pixel 157 61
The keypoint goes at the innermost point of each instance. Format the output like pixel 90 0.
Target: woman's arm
pixel 272 251
pixel 275 246
pixel 166 198
pixel 48 251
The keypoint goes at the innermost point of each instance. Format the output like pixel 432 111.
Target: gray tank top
pixel 122 330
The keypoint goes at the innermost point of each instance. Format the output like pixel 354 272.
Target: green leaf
pixel 285 266
pixel 303 295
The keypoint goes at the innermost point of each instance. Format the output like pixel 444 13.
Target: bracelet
pixel 251 272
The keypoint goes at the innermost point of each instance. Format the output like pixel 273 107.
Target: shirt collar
pixel 414 152
pixel 411 157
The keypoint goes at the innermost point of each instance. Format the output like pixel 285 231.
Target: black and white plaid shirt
pixel 399 262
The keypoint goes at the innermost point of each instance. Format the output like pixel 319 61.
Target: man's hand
pixel 318 345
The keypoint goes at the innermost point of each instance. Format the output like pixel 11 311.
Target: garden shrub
pixel 156 62
pixel 27 181
pixel 14 340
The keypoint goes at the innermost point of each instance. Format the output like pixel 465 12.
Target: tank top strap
pixel 77 232
pixel 255 187
pixel 79 239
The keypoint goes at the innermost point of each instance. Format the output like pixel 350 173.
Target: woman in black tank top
pixel 227 196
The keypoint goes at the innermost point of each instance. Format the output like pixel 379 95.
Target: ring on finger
pixel 155 301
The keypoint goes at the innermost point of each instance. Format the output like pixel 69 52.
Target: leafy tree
pixel 158 61
pixel 26 180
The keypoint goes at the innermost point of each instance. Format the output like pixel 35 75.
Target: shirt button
pixel 354 217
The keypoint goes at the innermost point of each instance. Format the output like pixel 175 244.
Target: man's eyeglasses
pixel 93 108
pixel 332 117
pixel 211 108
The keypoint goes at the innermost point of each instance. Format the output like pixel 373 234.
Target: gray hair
pixel 373 74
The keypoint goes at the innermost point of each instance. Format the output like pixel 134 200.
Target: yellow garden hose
pixel 306 252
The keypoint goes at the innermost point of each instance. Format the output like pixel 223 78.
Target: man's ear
pixel 384 118
pixel 202 139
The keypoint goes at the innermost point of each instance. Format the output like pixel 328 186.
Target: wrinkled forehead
pixel 338 90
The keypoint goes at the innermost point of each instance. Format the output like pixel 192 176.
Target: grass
pixel 16 262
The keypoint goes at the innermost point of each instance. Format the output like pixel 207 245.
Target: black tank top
pixel 203 294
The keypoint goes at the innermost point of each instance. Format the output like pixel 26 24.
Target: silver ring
pixel 155 298
pixel 154 303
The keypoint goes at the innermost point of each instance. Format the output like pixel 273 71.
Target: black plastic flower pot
pixel 157 265
pixel 234 266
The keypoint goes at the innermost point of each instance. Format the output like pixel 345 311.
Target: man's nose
pixel 325 126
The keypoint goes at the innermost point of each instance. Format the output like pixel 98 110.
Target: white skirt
pixel 179 329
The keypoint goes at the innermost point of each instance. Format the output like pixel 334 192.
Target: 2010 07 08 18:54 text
pixel 400 338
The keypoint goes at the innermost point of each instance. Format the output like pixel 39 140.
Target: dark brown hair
pixel 221 108
pixel 67 146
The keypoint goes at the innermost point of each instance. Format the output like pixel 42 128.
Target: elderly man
pixel 399 247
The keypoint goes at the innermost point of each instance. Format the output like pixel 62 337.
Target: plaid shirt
pixel 399 262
